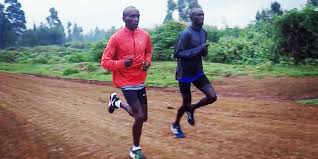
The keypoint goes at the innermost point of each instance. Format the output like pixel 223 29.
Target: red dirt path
pixel 49 118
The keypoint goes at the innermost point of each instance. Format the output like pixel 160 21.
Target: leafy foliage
pixel 3 26
pixel 12 23
pixel 269 14
pixel 97 50
pixel 313 2
pixel 164 38
pixel 183 7
pixel 297 34
pixel 70 71
pixel 171 6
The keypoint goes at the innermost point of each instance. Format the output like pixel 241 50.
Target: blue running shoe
pixel 190 117
pixel 176 130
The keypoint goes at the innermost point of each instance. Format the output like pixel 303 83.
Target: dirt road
pixel 44 118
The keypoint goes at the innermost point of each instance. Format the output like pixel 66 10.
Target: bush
pixel 78 45
pixel 75 58
pixel 40 60
pixel 253 46
pixel 97 51
pixel 297 34
pixel 70 71
pixel 88 67
pixel 164 38
pixel 6 56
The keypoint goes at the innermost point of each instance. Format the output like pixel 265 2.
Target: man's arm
pixel 182 52
pixel 205 50
pixel 107 60
pixel 147 59
pixel 148 50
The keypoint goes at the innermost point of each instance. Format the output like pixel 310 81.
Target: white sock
pixel 134 148
pixel 117 103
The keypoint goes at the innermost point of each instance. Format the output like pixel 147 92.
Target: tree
pixel 193 4
pixel 297 34
pixel 77 33
pixel 3 22
pixel 109 33
pixel 182 8
pixel 269 14
pixel 276 9
pixel 170 9
pixel 56 28
pixel 16 18
pixel 53 19
pixel 69 31
pixel 313 2
pixel 29 38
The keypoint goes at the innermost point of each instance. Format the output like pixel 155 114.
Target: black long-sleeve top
pixel 189 51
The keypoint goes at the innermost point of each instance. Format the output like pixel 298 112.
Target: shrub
pixel 70 71
pixel 40 60
pixel 75 58
pixel 6 56
pixel 164 38
pixel 97 51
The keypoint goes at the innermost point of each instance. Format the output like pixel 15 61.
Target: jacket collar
pixel 129 31
pixel 195 28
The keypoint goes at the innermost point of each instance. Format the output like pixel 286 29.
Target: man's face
pixel 197 17
pixel 131 18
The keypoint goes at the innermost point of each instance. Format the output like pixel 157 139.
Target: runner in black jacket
pixel 190 48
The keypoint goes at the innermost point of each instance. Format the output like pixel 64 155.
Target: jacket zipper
pixel 133 35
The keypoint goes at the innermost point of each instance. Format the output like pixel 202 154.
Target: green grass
pixel 161 73
pixel 309 101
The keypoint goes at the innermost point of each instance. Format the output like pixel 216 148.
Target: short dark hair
pixel 193 10
pixel 127 9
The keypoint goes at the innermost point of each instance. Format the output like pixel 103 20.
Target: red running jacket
pixel 126 44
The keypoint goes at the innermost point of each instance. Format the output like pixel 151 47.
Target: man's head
pixel 131 17
pixel 196 16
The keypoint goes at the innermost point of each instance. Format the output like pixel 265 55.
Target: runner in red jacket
pixel 123 45
pixel 128 57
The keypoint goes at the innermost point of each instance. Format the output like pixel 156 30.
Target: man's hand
pixel 145 65
pixel 128 62
pixel 205 45
pixel 205 49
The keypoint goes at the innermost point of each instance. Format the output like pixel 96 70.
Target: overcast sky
pixel 107 13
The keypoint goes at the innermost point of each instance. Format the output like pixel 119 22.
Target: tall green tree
pixel 53 20
pixel 193 4
pixel 184 6
pixel 258 16
pixel 276 9
pixel 269 14
pixel 29 38
pixel 171 6
pixel 56 28
pixel 297 34
pixel 16 19
pixel 3 22
pixel 313 2
pixel 182 9
pixel 77 33
pixel 69 31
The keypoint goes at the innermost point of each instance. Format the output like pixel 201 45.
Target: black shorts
pixel 199 83
pixel 132 96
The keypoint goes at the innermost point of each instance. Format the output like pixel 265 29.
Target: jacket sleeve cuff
pixel 120 64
